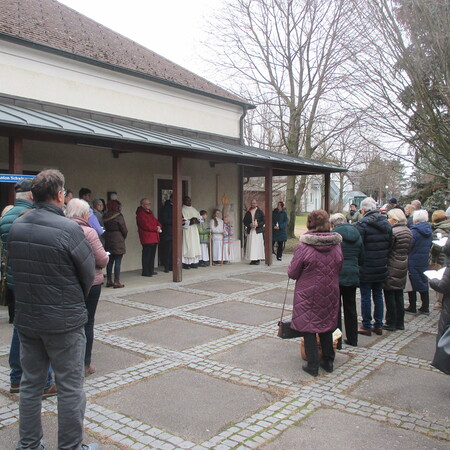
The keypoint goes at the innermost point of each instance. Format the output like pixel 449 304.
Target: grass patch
pixel 300 221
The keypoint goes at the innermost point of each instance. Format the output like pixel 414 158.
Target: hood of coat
pixel 348 232
pixel 323 242
pixel 424 228
pixel 443 226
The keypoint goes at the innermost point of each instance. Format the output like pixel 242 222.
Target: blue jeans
pixel 369 290
pixel 116 261
pixel 14 362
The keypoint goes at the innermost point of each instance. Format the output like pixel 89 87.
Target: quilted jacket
pixel 316 264
pixel 418 257
pixel 398 258
pixel 53 270
pixel 353 251
pixel 376 234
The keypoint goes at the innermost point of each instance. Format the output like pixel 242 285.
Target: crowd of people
pixel 384 255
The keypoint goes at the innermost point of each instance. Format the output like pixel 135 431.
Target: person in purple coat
pixel 316 265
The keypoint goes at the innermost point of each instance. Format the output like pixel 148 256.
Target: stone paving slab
pixel 186 403
pixel 173 333
pixel 240 313
pixel 261 355
pixel 274 295
pixel 221 286
pixel 329 430
pixel 263 277
pixel 422 392
pixel 167 298
pixel 108 312
pixel 422 347
pixel 6 330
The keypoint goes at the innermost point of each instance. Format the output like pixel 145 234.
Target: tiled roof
pixel 57 26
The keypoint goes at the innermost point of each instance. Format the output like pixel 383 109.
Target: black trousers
pixel 395 308
pixel 148 259
pixel 280 248
pixel 165 248
pixel 348 302
pixel 424 296
pixel 312 351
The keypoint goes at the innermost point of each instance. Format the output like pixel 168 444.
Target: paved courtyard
pixel 198 365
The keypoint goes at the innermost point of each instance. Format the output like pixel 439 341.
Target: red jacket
pixel 147 225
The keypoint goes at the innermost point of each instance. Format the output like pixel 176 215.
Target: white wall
pixel 34 74
pixel 133 176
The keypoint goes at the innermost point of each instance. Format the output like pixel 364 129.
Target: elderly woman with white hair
pixel 78 211
pixel 398 271
pixel 418 262
pixel 353 251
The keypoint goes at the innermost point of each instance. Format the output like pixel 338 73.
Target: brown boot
pixel 118 284
pixel 109 283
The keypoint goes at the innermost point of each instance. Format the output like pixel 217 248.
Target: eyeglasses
pixel 63 191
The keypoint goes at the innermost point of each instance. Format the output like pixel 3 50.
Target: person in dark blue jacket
pixel 353 251
pixel 422 237
pixel 376 234
pixel 279 224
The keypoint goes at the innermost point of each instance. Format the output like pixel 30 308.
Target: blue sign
pixel 14 178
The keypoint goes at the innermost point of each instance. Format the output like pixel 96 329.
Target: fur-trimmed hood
pixel 321 240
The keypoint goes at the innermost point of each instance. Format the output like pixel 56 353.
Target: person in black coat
pixel 376 234
pixel 353 251
pixel 441 359
pixel 166 235
pixel 279 233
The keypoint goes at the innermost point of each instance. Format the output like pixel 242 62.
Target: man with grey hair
pixel 53 269
pixel 376 235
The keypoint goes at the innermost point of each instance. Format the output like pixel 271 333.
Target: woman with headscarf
pixel 115 234
pixel 315 266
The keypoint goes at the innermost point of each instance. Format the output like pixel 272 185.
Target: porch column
pixel 268 212
pixel 327 193
pixel 15 164
pixel 176 219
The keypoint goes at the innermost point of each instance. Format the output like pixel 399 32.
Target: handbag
pixel 284 326
pixel 441 358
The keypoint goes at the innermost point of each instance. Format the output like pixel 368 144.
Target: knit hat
pixel 393 200
pixel 397 214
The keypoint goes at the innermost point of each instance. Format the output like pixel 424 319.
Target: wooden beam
pixel 177 228
pixel 327 193
pixel 15 163
pixel 268 212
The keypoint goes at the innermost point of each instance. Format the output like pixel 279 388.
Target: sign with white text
pixel 14 178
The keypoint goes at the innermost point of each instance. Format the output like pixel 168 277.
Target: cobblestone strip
pixel 130 432
pixel 137 320
pixel 403 419
pixel 264 425
pixel 9 414
pixel 4 350
pixel 132 374
pixel 242 376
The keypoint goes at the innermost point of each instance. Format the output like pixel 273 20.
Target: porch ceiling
pixel 46 126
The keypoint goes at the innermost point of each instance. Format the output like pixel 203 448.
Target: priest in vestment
pixel 254 225
pixel 191 238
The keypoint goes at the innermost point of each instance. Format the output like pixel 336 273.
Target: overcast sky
pixel 172 28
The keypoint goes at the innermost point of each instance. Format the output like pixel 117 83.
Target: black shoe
pixel 389 328
pixel 400 328
pixel 201 264
pixel 155 273
pixel 424 312
pixel 166 270
pixel 146 275
pixel 327 366
pixel 410 311
pixel 194 266
pixel 310 370
pixel 186 266
pixel 350 343
pixel 257 262
pixel 278 258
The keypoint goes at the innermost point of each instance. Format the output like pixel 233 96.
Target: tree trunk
pixel 291 205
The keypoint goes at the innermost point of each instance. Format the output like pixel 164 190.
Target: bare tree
pixel 290 55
